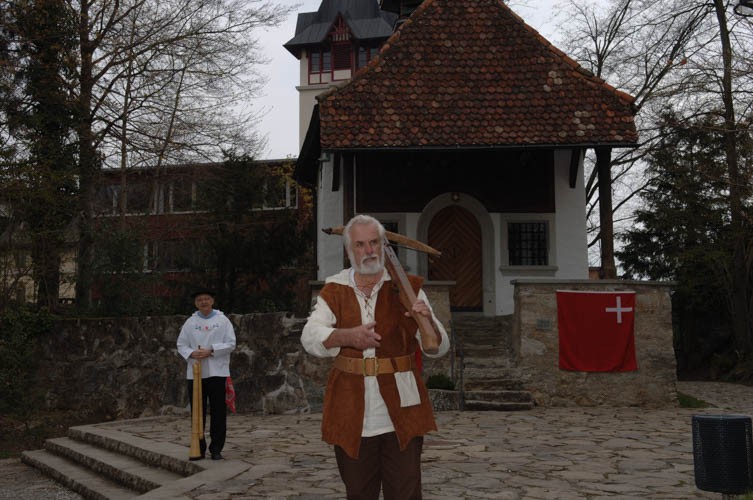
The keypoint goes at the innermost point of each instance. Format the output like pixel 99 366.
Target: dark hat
pixel 203 291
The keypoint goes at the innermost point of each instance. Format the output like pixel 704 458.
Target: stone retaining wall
pixel 536 347
pixel 130 367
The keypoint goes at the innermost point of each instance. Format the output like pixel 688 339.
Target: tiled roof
pixel 471 73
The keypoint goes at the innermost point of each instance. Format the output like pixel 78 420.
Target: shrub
pixel 687 401
pixel 440 381
pixel 19 348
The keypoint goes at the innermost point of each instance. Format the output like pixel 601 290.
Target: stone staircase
pixel 105 464
pixel 488 371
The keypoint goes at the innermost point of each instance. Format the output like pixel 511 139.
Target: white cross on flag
pixel 596 331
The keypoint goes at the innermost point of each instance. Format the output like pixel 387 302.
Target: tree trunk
pixel 739 284
pixel 603 161
pixel 88 166
pixel 46 257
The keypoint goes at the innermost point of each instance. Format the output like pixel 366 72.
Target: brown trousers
pixel 381 464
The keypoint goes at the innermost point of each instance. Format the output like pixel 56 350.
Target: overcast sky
pixel 279 101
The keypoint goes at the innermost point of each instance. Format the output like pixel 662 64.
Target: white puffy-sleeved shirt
pixel 321 324
pixel 210 332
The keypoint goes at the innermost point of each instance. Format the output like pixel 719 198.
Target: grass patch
pixel 688 401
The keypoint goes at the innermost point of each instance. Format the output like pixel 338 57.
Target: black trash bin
pixel 723 453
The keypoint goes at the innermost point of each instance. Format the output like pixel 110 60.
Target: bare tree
pixel 161 80
pixel 640 47
pixel 690 58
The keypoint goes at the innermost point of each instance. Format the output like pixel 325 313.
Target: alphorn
pixel 197 420
pixel 408 297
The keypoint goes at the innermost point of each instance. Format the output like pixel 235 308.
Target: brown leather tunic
pixel 342 420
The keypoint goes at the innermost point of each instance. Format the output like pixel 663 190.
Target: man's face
pixel 366 249
pixel 204 303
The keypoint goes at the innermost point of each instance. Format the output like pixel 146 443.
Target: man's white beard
pixel 373 266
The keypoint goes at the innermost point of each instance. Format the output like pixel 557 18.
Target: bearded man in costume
pixel 376 407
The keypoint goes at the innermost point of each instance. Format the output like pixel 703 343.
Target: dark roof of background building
pixel 471 73
pixel 363 17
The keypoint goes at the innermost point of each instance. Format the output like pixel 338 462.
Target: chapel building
pixel 454 123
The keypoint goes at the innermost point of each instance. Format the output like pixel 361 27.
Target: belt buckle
pixel 376 367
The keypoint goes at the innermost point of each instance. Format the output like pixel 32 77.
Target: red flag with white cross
pixel 596 331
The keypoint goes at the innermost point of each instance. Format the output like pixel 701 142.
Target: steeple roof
pixel 471 73
pixel 363 17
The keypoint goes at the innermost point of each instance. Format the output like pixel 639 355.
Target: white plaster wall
pixel 568 252
pixel 505 273
pixel 411 228
pixel 306 101
pixel 329 249
pixel 570 220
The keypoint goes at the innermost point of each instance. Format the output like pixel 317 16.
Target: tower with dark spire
pixel 334 42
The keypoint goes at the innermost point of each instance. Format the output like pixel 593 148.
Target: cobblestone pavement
pixel 545 453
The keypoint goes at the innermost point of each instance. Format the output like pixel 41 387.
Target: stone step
pixel 159 466
pixel 493 384
pixel 487 366
pixel 479 336
pixel 476 405
pixel 464 323
pixel 498 396
pixel 485 351
pixel 76 477
pixel 120 468
pixel 169 456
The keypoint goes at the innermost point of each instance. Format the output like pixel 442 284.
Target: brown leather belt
pixel 371 367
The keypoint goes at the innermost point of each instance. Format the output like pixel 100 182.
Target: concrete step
pixel 76 477
pixel 123 469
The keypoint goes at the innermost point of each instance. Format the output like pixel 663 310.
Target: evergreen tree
pixel 683 233
pixel 253 244
pixel 41 185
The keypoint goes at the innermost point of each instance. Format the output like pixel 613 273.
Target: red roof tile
pixel 471 73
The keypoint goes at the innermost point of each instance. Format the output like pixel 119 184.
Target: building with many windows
pixel 152 225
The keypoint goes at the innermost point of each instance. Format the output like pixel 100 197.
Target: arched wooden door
pixel 457 234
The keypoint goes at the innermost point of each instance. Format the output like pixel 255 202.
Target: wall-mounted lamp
pixel 455 197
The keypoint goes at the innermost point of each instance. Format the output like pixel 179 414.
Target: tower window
pixel 341 55
pixel 366 54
